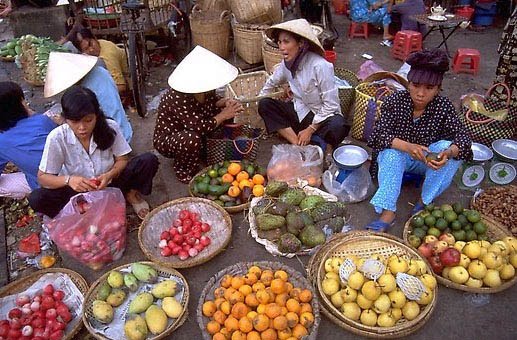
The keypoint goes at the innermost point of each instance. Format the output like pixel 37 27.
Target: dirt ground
pixel 456 315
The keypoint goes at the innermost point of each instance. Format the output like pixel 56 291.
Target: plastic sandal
pixel 140 207
pixel 379 226
pixel 419 206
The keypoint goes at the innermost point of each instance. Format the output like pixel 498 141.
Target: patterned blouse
pixel 181 111
pixel 438 122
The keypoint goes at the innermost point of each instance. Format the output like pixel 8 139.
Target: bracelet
pixel 67 180
pixel 313 128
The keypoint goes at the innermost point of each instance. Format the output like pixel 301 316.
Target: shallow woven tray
pixel 92 292
pixel 20 285
pixel 295 277
pixel 364 244
pixel 162 217
pixel 7 59
pixel 495 232
pixel 34 83
pixel 473 205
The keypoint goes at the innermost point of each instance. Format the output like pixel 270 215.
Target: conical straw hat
pixel 201 71
pixel 300 27
pixel 64 2
pixel 66 69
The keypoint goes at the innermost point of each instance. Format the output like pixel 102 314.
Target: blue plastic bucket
pixel 484 15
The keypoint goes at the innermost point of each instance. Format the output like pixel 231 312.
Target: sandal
pixel 379 226
pixel 139 207
pixel 386 43
pixel 418 207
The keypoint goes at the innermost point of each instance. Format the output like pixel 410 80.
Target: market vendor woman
pixel 191 110
pixel 412 125
pixel 313 107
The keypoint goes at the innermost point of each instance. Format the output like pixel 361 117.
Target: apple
pixel 447 237
pixel 425 249
pixel 436 264
pixel 439 246
pixel 450 257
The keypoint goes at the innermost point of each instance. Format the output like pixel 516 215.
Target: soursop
pixel 292 196
pixel 311 201
pixel 289 243
pixel 276 188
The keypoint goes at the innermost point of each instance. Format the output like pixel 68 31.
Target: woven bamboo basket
pixel 495 232
pixel 214 5
pixel 246 88
pixel 506 191
pixel 22 284
pixel 248 41
pixel 270 54
pixel 364 244
pixel 88 318
pixel 241 268
pixel 347 96
pixel 7 59
pixel 257 11
pixel 162 217
pixel 211 30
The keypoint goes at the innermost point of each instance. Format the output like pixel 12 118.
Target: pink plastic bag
pixel 92 227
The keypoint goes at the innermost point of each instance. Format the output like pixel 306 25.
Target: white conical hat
pixel 300 27
pixel 66 69
pixel 201 71
pixel 64 2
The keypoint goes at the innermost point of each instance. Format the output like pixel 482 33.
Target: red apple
pixel 447 237
pixel 450 257
pixel 439 246
pixel 425 249
pixel 436 264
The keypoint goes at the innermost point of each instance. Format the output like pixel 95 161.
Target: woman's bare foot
pixel 140 206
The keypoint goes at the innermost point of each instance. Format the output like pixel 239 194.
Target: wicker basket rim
pixel 386 75
pixel 175 325
pixel 190 262
pixel 492 224
pixel 399 329
pixel 26 281
pixel 210 15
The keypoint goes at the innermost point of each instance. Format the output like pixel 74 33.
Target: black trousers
pixel 137 175
pixel 278 114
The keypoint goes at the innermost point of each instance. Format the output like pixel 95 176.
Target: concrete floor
pixel 457 314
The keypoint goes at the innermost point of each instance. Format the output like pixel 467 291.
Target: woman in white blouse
pixel 89 153
pixel 312 106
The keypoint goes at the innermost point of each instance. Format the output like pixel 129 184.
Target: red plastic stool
pixel 406 42
pixel 465 11
pixel 466 60
pixel 358 29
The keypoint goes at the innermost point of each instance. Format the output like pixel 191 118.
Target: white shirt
pixel 65 155
pixel 314 88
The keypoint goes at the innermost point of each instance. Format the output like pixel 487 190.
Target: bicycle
pixel 137 54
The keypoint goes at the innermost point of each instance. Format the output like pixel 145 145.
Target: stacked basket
pixel 211 29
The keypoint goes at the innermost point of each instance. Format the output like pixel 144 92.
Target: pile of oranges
pixel 260 305
pixel 240 178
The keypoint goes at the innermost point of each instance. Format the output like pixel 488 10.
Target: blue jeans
pixel 392 165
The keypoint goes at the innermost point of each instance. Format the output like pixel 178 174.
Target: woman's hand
pixel 81 184
pixel 416 151
pixel 304 136
pixel 104 179
pixel 231 109
pixel 287 96
pixel 437 164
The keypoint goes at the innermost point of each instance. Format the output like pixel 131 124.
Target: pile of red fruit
pixel 44 317
pixel 440 252
pixel 185 238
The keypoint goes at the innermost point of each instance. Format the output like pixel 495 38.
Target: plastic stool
pixel 466 60
pixel 405 43
pixel 411 177
pixel 358 29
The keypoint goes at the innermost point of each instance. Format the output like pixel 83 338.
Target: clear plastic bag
pixel 289 163
pixel 356 187
pixel 92 227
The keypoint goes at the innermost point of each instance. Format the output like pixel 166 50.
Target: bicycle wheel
pixel 137 72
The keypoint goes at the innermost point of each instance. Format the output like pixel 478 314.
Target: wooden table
pixel 451 24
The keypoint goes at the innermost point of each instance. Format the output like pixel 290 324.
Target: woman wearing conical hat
pixel 312 108
pixel 190 110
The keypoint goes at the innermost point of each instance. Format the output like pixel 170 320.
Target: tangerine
pixel 238 335
pixel 242 176
pixel 278 286
pixel 237 282
pixel 209 308
pixel 273 310
pixel 250 279
pixel 258 190
pixel 213 327
pixel 281 299
pixel 255 270
pixel 305 295
pixel 293 305
pixel 299 331
pixel 236 297
pixel 262 296
pixel 253 335
pixel 292 319
pixel 228 293
pixel 269 334
pixel 227 178
pixel 231 324
pixel 226 281
pixel 281 274
pixel 260 322
pixel 251 300
pixel 234 168
pixel 280 323
pixel 266 277
pixel 234 191
pixel 219 292
pixel 218 336
pixel 284 334
pixel 225 307
pixel 219 317
pixel 307 319
pixel 245 324
pixel 305 307
pixel 258 286
pixel 258 179
pixel 239 310
pixel 251 314
pixel 245 183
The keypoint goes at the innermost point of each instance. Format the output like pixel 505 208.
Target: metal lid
pixel 350 156
pixel 481 152
pixel 506 148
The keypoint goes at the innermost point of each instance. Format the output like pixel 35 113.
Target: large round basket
pixel 500 205
pixel 173 274
pixel 22 284
pixel 347 96
pixel 495 232
pixel 365 244
pixel 241 268
pixel 211 30
pixel 257 11
pixel 271 54
pixel 162 218
pixel 7 59
pixel 248 41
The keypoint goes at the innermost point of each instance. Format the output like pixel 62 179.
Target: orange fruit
pixel 305 295
pixel 236 297
pixel 219 317
pixel 245 289
pixel 242 176
pixel 218 336
pixel 238 335
pixel 284 334
pixel 293 305
pixel 231 324
pixel 258 190
pixel 245 183
pixel 245 325
pixel 273 310
pixel 226 281
pixel 251 315
pixel 218 301
pixel 234 191
pixel 234 168
pixel 209 309
pixel 213 327
pixel 266 277
pixel 280 323
pixel 237 282
pixel 281 299
pixel 258 179
pixel 239 310
pixel 228 292
pixel 307 319
pixel 278 286
pixel 235 183
pixel 219 292
pixel 225 307
pixel 255 270
pixel 269 334
pixel 299 331
pixel 283 311
pixel 250 279
pixel 251 300
pixel 258 286
pixel 261 308
pixel 295 292
pixel 262 296
pixel 305 307
pixel 253 335
pixel 227 178
pixel 225 332
pixel 281 274
pixel 289 287
pixel 260 322
pixel 292 319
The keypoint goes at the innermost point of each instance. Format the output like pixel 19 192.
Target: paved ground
pixel 457 315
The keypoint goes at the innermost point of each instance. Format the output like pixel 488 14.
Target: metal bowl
pixel 481 152
pixel 348 157
pixel 506 149
pixel 502 173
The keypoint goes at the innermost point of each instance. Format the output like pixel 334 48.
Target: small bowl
pixel 348 157
pixel 506 149
pixel 449 16
pixel 481 152
pixel 509 173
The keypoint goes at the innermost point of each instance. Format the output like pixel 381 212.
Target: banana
pixel 131 282
pixel 144 272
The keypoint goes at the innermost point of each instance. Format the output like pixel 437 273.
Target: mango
pixel 104 291
pixel 135 328
pixel 116 297
pixel 131 282
pixel 172 307
pixel 115 279
pixel 102 311
pixel 144 272
pixel 164 289
pixel 156 319
pixel 140 303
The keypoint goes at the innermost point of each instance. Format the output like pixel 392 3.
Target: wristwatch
pixel 67 180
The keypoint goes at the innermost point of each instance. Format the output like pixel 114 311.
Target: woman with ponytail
pixel 89 153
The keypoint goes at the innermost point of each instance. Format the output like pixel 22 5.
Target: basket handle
pixel 196 9
pixel 244 152
pixel 488 93
pixel 224 14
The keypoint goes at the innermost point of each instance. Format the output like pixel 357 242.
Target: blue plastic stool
pixel 411 177
pixel 317 140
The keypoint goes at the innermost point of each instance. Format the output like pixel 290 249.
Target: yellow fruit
pixel 209 308
pixel 382 304
pixel 475 283
pixel 135 328
pixel 245 183
pixel 398 265
pixel 426 297
pixel 507 272
pixel 428 280
pixel 102 311
pixel 363 302
pixel 351 310
pixel 234 169
pixel 164 289
pixel 371 290
pixel 356 280
pixel 386 320
pixel 368 317
pixel 330 286
pixel 472 250
pixel 213 327
pixel 387 283
pixel 411 310
pixel 172 307
pixel 258 190
pixel 156 319
pixel 477 269
pixel 397 298
pixel 234 191
pixel 458 274
pixel 396 313
pixel 513 260
pixel 492 278
pixel 349 294
pixel 258 179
